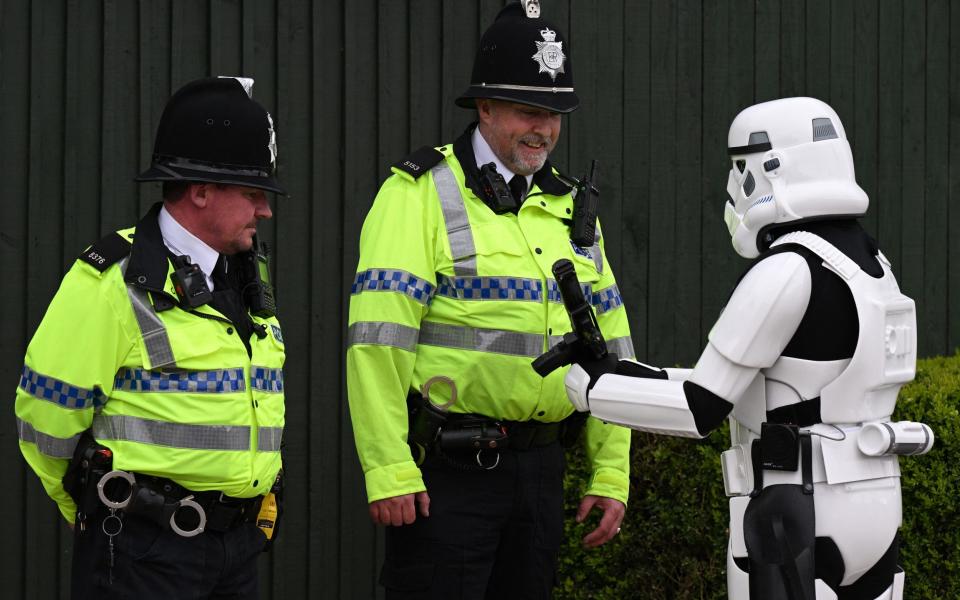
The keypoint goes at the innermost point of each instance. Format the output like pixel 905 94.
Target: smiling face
pixel 521 136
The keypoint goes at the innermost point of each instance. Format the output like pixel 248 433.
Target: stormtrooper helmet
pixel 790 162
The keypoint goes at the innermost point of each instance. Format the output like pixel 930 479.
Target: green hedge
pixel 673 540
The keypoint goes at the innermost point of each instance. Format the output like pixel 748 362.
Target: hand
pixel 613 511
pixel 399 510
pixel 597 367
pixel 583 375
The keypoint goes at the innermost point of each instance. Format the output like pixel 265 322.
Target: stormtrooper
pixel 806 359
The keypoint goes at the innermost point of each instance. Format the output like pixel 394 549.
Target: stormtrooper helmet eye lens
pixel 749 184
pixel 741 165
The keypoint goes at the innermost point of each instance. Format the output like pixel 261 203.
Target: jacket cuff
pixel 69 511
pixel 609 483
pixel 393 480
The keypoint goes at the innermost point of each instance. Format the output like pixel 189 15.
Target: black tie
pixel 227 299
pixel 219 274
pixel 518 186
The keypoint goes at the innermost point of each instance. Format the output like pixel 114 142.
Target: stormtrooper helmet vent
pixel 823 130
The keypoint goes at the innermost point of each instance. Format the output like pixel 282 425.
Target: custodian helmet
pixel 523 58
pixel 212 130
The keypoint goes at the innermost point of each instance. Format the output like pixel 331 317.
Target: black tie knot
pixel 518 187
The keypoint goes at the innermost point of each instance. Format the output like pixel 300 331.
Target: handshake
pixel 583 346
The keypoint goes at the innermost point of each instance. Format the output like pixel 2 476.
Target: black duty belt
pixel 478 432
pixel 169 504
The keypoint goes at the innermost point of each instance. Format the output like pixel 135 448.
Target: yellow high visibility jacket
pixel 445 286
pixel 172 393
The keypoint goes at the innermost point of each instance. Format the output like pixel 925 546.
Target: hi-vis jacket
pixel 172 393
pixel 445 286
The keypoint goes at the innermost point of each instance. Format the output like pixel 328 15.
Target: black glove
pixel 597 367
pixel 634 369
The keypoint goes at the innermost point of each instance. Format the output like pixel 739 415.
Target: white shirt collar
pixel 182 242
pixel 484 155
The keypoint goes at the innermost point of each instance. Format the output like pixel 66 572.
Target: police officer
pixel 151 401
pixel 454 293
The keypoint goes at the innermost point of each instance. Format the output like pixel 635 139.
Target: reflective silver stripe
pixel 623 346
pixel 154 334
pixel 382 333
pixel 482 340
pixel 269 438
pixel 523 88
pixel 597 253
pixel 173 435
pixel 47 444
pixel 455 218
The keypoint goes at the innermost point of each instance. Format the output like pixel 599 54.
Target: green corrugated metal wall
pixel 354 85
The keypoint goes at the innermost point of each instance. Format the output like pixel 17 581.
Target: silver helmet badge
pixel 549 54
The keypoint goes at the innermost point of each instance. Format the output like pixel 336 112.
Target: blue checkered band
pixel 581 251
pixel 606 299
pixel 59 392
pixel 392 280
pixel 217 382
pixel 490 288
pixel 553 291
pixel 266 380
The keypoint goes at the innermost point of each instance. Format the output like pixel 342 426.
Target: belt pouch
pixel 779 446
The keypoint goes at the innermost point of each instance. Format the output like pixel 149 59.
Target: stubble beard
pixel 528 164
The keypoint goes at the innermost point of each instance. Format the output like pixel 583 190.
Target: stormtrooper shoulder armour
pixel 764 311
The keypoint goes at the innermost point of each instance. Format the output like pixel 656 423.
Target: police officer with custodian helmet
pixel 151 400
pixel 453 298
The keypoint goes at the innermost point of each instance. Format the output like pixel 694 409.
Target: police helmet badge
pixel 272 143
pixel 549 54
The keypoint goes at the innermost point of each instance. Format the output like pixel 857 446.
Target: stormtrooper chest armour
pixel 855 390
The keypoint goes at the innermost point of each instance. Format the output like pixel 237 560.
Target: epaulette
pixel 419 162
pixel 106 252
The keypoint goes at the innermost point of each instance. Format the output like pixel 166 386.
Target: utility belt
pixel 787 453
pixel 433 429
pixel 94 484
pixel 475 432
pixel 172 506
